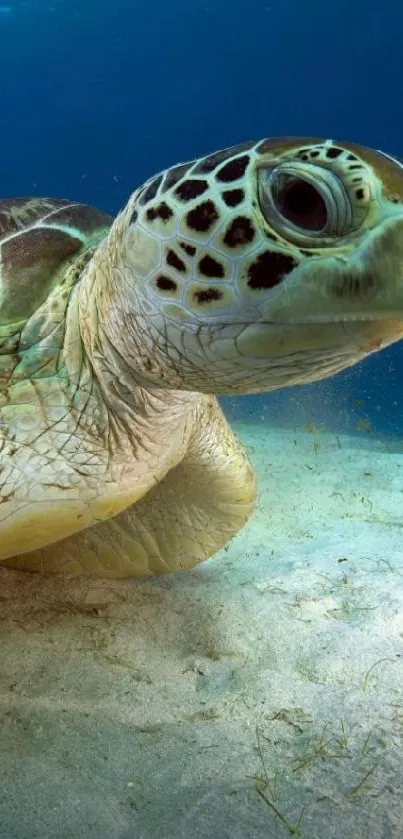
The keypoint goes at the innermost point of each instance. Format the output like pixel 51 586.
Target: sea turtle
pixel 264 265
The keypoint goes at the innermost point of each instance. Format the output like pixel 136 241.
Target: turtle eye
pixel 305 201
pixel 299 202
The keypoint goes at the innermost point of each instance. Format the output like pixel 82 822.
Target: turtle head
pixel 268 264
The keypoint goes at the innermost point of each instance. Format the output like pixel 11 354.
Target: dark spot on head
pixel 209 163
pixel 202 217
pixel 234 169
pixel 240 232
pixel 165 283
pixel 189 249
pixel 334 152
pixel 360 194
pixel 272 144
pixel 351 156
pixel 150 190
pixel 269 269
pixel 134 216
pixel 162 212
pixel 208 295
pixel 233 197
pixel 355 166
pixel 174 175
pixel 315 153
pixel 191 188
pixel 175 262
pixel 210 267
pixel 304 154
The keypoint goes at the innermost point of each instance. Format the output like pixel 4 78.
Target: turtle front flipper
pixel 192 513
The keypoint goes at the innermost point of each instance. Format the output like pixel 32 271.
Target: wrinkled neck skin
pixel 101 317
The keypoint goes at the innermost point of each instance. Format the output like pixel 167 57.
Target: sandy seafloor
pixel 260 695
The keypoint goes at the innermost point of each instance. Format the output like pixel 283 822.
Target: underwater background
pixel 260 695
pixel 97 96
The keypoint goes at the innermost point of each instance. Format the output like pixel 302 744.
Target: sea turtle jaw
pixel 364 285
pixel 330 313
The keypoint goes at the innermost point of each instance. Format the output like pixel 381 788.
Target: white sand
pixel 159 708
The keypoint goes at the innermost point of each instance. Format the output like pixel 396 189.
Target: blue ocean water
pixel 96 96
pixel 138 712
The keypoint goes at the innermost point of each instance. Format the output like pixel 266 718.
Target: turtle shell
pixel 38 237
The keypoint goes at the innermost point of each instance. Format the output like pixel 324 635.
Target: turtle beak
pixel 365 284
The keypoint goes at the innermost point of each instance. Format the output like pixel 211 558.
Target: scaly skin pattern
pixel 68 457
pixel 261 266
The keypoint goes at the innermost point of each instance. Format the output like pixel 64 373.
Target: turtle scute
pixel 38 237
